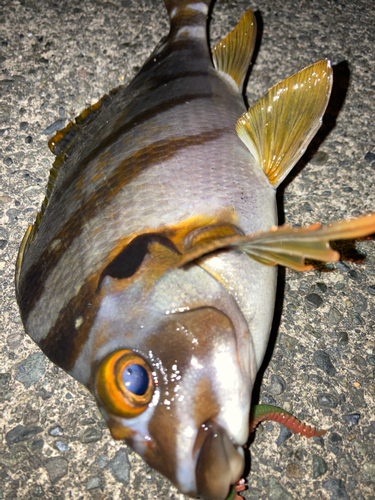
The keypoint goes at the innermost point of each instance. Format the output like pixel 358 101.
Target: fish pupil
pixel 135 379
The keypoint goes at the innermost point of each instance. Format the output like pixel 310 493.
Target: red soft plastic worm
pixel 267 412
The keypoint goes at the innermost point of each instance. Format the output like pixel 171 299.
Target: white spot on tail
pixel 197 7
pixel 191 32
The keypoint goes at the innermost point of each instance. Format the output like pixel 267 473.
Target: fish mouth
pixel 220 462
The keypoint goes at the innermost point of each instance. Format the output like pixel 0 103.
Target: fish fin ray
pixel 63 139
pixel 289 246
pixel 232 55
pixel 279 127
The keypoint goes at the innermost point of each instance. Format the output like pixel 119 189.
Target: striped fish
pixel 149 274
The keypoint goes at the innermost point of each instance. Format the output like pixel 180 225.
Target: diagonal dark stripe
pixel 32 284
pixel 135 121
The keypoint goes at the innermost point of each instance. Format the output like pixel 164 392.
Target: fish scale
pixel 161 169
pixel 155 250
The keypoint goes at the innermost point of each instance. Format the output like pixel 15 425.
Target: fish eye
pixel 124 383
pixel 135 379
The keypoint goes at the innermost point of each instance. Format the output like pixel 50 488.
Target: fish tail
pixel 188 19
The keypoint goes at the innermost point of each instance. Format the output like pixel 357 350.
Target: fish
pixel 150 272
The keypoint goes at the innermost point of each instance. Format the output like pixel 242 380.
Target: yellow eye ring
pixel 124 383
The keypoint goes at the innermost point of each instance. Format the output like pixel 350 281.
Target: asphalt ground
pixel 57 58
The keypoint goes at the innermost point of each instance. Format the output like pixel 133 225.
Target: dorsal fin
pixel 279 127
pixel 232 55
pixel 60 144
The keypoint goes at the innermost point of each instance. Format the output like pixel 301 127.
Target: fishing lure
pixel 149 274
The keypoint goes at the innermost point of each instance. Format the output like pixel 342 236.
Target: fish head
pixel 173 375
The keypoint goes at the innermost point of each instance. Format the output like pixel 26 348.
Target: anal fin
pixel 232 55
pixel 279 127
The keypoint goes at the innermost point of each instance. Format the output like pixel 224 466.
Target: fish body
pixel 118 282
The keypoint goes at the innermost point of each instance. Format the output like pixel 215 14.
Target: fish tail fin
pixel 188 19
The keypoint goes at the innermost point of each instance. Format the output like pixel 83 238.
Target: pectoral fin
pixel 288 246
pixel 232 55
pixel 279 127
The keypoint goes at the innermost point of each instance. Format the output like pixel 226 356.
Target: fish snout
pixel 220 462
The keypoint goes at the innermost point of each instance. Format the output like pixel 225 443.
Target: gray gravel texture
pixel 56 58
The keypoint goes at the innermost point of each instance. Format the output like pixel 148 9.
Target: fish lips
pixel 220 462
